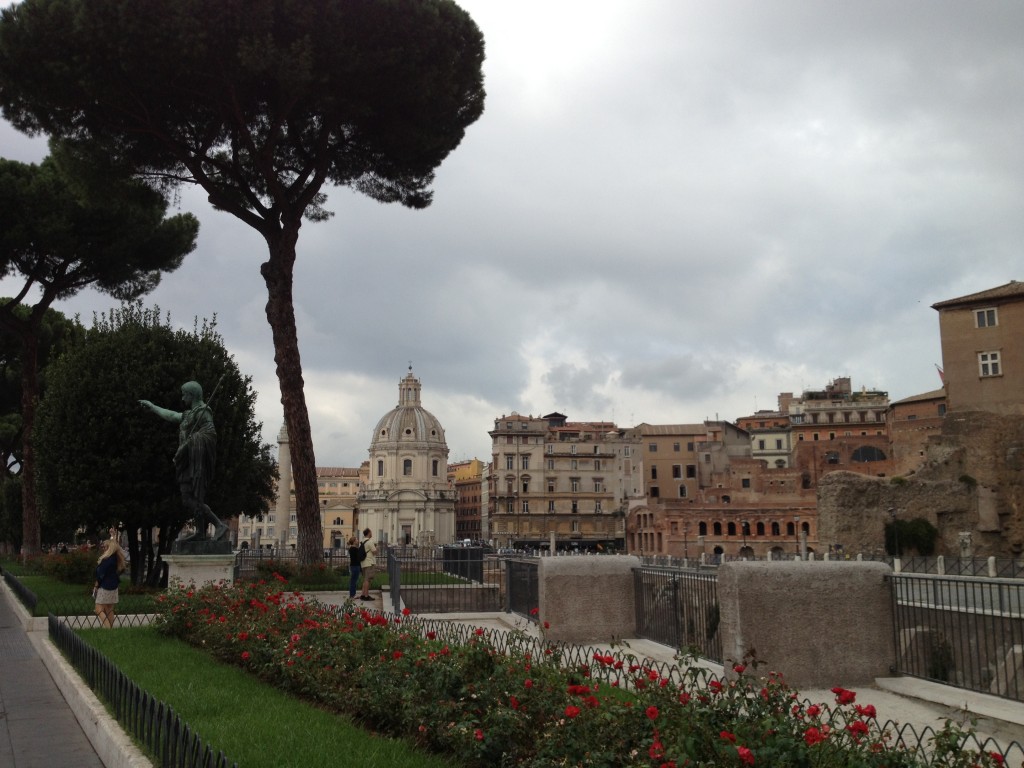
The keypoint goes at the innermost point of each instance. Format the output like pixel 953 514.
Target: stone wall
pixel 972 479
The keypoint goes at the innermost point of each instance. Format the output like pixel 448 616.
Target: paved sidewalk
pixel 38 729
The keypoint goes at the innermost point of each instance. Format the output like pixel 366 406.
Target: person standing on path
pixel 108 579
pixel 355 565
pixel 369 563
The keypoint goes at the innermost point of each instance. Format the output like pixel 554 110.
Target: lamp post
pixel 796 532
pixel 686 547
pixel 745 525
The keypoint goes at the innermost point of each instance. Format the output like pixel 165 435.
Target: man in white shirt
pixel 369 563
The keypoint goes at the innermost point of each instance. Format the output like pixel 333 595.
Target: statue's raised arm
pixel 194 459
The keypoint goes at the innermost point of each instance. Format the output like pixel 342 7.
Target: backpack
pixel 362 551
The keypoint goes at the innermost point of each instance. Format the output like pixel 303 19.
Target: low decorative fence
pixel 133 609
pixel 446 580
pixel 152 723
pixel 679 608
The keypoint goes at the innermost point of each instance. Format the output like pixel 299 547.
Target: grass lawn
pixel 65 599
pixel 252 723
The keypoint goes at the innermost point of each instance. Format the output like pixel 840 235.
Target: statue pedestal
pixel 200 569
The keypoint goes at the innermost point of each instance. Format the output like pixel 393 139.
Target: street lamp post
pixel 745 525
pixel 796 532
pixel 686 547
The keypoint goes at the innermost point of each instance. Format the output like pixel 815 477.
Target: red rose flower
pixel 572 711
pixel 652 713
pixel 745 755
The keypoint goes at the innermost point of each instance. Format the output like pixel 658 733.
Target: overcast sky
pixel 670 211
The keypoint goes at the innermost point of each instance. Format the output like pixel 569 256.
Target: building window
pixel 575 525
pixel 550 448
pixel 985 318
pixel 575 506
pixel 597 507
pixel 434 467
pixel 551 463
pixel 407 467
pixel 775 529
pixel 551 506
pixel 509 508
pixel 551 486
pixel 760 445
pixel 652 447
pixel 988 364
pixel 510 461
pixel 380 468
pixel 691 470
pixel 716 529
pixel 573 464
pixel 682 491
pixel 625 451
pixel 654 492
pixel 574 485
pixel 572 448
pixel 675 447
pixel 654 473
pixel 526 461
pixel 597 465
pixel 677 471
pixel 526 507
pixel 778 445
pixel 597 486
pixel 526 486
pixel 745 482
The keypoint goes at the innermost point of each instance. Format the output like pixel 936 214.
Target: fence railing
pixel 446 580
pixel 523 587
pixel 247 560
pixel 149 721
pixel 24 594
pixel 961 631
pixel 679 608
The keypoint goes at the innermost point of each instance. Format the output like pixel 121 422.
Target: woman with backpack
pixel 355 565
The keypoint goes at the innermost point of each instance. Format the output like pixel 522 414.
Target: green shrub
pixel 77 567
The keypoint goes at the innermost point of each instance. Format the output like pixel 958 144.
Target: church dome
pixel 408 422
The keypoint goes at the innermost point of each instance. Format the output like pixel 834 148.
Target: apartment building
pixel 982 353
pixel 556 479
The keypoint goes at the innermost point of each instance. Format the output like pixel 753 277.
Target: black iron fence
pixel 679 608
pixel 523 587
pixel 24 594
pixel 445 580
pixel 962 631
pixel 150 722
pixel 249 562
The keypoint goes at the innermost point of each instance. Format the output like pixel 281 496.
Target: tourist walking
pixel 355 565
pixel 369 563
pixel 108 578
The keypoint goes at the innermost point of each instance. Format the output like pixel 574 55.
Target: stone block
pixel 819 624
pixel 587 599
pixel 200 569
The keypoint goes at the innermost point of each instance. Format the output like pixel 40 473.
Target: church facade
pixel 407 497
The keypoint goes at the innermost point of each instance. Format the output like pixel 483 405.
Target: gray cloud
pixel 669 211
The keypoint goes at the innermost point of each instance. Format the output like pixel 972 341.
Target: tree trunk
pixel 277 273
pixel 30 528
